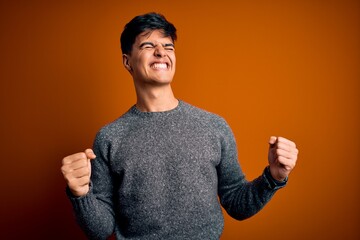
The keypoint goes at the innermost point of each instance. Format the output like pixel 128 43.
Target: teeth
pixel 159 66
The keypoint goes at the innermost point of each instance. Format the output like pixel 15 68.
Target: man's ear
pixel 126 62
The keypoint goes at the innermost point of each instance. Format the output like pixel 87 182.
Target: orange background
pixel 287 68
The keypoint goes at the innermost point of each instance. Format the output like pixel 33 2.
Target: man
pixel 158 170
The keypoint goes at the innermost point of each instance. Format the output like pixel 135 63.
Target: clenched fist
pixel 76 169
pixel 282 157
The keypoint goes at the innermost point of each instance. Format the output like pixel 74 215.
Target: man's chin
pixel 155 81
pixel 160 82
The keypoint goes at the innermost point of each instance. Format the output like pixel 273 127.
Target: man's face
pixel 152 59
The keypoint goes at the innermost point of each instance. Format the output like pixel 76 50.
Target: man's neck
pixel 156 99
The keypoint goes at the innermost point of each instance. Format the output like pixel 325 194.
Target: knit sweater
pixel 163 175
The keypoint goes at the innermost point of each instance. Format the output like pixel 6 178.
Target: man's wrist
pixel 273 183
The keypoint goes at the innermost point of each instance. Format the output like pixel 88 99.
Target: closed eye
pixel 147 45
pixel 150 45
pixel 169 47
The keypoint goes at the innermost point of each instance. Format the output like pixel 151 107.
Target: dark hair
pixel 139 24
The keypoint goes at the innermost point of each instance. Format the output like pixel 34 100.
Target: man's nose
pixel 159 51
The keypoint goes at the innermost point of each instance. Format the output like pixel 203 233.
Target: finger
pixel 78 183
pixel 287 147
pixel 286 154
pixel 272 140
pixel 74 157
pixel 78 173
pixel 89 166
pixel 90 154
pixel 286 141
pixel 286 163
pixel 75 165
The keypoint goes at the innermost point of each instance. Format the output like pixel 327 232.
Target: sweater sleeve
pixel 240 198
pixel 94 211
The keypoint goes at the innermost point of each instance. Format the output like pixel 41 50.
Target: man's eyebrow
pixel 169 45
pixel 153 45
pixel 147 43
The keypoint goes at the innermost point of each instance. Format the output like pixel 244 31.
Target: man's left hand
pixel 282 157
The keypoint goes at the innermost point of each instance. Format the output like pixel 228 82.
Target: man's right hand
pixel 76 169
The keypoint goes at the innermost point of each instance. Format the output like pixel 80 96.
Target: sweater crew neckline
pixel 136 111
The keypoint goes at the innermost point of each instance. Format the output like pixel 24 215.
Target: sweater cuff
pixel 273 183
pixel 79 202
pixel 72 196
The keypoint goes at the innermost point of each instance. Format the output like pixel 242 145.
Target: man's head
pixel 147 43
pixel 145 23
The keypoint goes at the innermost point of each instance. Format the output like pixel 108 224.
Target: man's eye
pixel 147 46
pixel 169 49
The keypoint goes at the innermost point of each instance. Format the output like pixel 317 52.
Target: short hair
pixel 139 24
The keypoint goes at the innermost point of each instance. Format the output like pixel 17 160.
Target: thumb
pixel 272 140
pixel 90 154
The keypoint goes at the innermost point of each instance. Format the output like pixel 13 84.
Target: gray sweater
pixel 160 175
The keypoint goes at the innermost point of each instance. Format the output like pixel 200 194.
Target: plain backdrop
pixel 288 68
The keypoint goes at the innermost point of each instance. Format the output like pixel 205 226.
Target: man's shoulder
pixel 211 122
pixel 202 114
pixel 117 126
pixel 205 118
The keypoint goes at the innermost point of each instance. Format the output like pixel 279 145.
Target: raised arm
pixel 90 190
pixel 241 198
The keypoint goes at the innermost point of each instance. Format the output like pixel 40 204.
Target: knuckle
pixel 65 160
pixel 75 187
pixel 88 151
pixel 83 172
pixel 63 170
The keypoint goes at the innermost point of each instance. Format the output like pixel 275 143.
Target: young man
pixel 158 170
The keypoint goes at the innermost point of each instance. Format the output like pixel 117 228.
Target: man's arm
pixel 241 198
pixel 90 190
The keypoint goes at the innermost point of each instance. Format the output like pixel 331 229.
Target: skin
pixel 151 64
pixel 151 52
pixel 282 157
pixel 76 169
